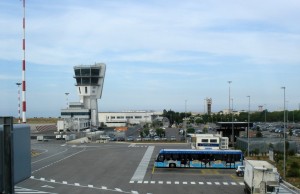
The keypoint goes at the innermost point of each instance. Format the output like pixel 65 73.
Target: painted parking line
pixel 140 172
pixel 21 190
pixel 188 183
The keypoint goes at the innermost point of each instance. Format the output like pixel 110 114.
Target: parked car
pixel 164 139
pixel 240 170
pixel 138 139
pixel 172 138
pixel 146 139
pixel 130 138
pixel 156 138
pixel 120 139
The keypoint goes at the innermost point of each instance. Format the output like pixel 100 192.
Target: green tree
pixel 190 130
pixel 259 134
pixel 160 132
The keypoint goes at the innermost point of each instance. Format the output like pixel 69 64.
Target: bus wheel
pixel 172 165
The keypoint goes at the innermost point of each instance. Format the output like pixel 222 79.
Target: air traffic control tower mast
pixel 89 83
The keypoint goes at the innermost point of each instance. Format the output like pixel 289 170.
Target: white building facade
pixel 121 119
pixel 209 141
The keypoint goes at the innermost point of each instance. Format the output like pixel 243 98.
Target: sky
pixel 159 54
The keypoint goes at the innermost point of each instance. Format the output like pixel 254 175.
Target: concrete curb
pixel 290 186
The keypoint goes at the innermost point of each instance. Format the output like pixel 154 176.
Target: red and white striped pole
pixel 23 71
pixel 19 105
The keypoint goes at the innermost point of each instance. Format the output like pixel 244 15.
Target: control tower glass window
pixel 94 80
pixel 78 80
pixel 85 72
pixel 77 72
pixel 86 80
pixel 95 72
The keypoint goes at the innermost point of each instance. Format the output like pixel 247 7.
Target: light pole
pixel 232 130
pixel 67 100
pixel 283 131
pixel 19 106
pixel 185 120
pixel 248 126
pixel 265 113
pixel 229 82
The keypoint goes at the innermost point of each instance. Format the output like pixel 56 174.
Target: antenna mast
pixel 23 71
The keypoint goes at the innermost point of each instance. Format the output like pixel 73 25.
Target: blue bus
pixel 191 158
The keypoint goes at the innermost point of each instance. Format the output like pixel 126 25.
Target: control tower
pixel 89 83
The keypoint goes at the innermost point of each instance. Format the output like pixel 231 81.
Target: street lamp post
pixel 185 120
pixel 229 82
pixel 284 157
pixel 248 126
pixel 232 129
pixel 67 100
pixel 19 106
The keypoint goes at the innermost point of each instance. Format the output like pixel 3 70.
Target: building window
pixel 79 90
pixel 204 140
pixel 120 117
pixel 112 117
pixel 138 117
pixel 213 141
pixel 129 117
pixel 85 89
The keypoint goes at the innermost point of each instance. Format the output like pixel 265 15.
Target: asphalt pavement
pixel 119 168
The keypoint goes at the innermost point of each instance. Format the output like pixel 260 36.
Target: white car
pixel 240 170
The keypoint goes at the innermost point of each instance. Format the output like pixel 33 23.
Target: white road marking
pixel 52 181
pixel 65 182
pixel 47 186
pixel 58 160
pixel 49 156
pixel 90 186
pixel 21 190
pixel 140 172
pixel 117 189
pixel 76 184
pixel 186 183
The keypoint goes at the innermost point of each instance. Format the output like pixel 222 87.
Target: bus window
pixel 219 157
pixel 175 157
pixel 167 156
pixel 160 158
pixel 195 157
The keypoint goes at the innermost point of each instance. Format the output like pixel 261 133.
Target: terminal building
pixel 120 119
